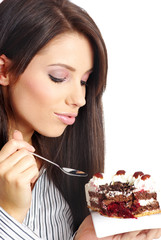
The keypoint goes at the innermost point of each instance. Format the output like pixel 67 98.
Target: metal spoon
pixel 68 171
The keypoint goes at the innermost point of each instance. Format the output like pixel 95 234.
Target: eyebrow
pixel 69 67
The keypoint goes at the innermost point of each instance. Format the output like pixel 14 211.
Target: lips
pixel 66 118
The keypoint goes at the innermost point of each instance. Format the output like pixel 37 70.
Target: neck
pixel 27 136
pixel 27 133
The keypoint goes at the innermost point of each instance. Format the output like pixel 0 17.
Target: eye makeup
pixel 85 78
pixel 59 74
pixel 84 83
pixel 60 80
pixel 56 80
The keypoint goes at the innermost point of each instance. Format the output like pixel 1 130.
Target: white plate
pixel 105 226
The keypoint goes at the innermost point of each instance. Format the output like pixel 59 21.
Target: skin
pixel 43 97
pixel 86 231
pixel 36 102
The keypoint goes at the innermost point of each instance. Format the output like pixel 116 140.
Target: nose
pixel 76 96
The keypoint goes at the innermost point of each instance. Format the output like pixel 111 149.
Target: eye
pixel 85 79
pixel 84 83
pixel 57 80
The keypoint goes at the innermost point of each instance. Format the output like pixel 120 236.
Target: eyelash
pixel 60 80
pixel 56 80
pixel 84 83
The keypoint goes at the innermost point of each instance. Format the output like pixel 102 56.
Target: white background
pixel 132 101
pixel 131 30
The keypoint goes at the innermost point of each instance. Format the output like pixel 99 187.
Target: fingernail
pixel 32 148
pixel 1 61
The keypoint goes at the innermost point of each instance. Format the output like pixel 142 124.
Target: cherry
pixel 120 172
pixel 98 175
pixel 144 177
pixel 118 209
pixel 137 174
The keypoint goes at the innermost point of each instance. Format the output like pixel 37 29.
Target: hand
pixel 149 234
pixel 18 170
pixel 86 231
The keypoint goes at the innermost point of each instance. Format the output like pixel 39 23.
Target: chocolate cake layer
pixel 118 198
pixel 117 186
pixel 125 196
pixel 151 207
pixel 95 204
pixel 145 195
pixel 96 194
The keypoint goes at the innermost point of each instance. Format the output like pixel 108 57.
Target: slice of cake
pixel 124 196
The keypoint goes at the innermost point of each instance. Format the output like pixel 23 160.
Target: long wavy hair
pixel 25 27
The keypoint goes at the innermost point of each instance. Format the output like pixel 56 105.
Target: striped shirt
pixel 49 217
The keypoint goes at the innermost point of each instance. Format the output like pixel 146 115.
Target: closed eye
pixel 84 83
pixel 60 80
pixel 57 80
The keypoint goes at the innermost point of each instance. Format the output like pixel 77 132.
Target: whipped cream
pixel 147 184
pixel 95 182
pixel 120 178
pixel 147 202
pixel 93 185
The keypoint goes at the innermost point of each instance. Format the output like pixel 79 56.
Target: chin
pixel 52 133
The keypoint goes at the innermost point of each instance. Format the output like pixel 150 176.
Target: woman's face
pixel 48 95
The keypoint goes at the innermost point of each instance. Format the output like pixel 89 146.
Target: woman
pixel 53 67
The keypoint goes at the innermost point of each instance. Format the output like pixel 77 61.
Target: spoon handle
pixel 45 159
pixel 68 171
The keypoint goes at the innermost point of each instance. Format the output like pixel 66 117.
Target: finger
pixel 130 235
pixel 153 234
pixel 30 175
pixel 19 169
pixel 23 164
pixel 24 179
pixel 106 238
pixel 141 236
pixel 14 159
pixel 12 146
pixel 17 135
pixel 117 237
pixel 158 233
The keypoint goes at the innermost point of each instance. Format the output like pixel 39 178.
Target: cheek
pixel 38 91
pixel 34 90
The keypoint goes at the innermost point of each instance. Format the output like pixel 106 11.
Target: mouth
pixel 66 118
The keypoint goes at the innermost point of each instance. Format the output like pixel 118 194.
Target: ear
pixel 4 65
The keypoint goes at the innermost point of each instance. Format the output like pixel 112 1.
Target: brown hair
pixel 25 27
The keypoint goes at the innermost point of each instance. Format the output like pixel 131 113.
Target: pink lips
pixel 66 118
